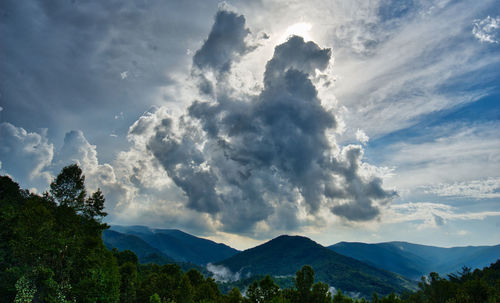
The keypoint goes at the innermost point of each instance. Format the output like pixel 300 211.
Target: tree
pixel 254 293
pixel 69 187
pixel 94 206
pixel 185 291
pixel 128 283
pixel 234 296
pixel 320 293
pixel 155 298
pixel 53 250
pixel 304 280
pixel 268 289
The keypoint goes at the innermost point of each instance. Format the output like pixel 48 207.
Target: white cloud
pixel 487 29
pixel 26 156
pixel 460 154
pixel 387 75
pixel 403 79
pixel 361 136
pixel 222 273
pixel 478 189
pixel 429 214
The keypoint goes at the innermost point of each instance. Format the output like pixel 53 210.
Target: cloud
pixel 76 149
pixel 225 42
pixel 222 273
pixel 70 77
pixel 438 220
pixel 255 162
pixel 417 65
pixel 431 215
pixel 454 159
pixel 26 156
pixel 487 29
pixel 361 136
pixel 478 189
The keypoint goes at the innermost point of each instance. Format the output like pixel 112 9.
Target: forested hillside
pixel 284 255
pixel 51 250
pixel 178 245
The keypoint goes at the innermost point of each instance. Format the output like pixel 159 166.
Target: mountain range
pixel 414 260
pixel 351 266
pixel 145 252
pixel 176 244
pixel 285 255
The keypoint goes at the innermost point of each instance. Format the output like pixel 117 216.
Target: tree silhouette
pixel 69 187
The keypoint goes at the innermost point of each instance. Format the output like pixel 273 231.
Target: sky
pixel 239 121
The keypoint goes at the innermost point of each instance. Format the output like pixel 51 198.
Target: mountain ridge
pixel 284 255
pixel 179 245
pixel 415 260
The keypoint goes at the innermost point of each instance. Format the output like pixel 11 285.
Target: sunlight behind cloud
pixel 301 29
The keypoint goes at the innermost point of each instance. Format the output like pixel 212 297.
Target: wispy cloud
pixel 222 273
pixel 410 72
pixel 478 189
pixel 429 214
pixel 453 153
pixel 487 29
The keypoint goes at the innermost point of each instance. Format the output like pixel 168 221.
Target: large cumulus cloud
pixel 25 155
pixel 256 162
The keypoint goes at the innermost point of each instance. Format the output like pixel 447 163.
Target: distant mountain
pixel 145 252
pixel 180 246
pixel 414 260
pixel 283 256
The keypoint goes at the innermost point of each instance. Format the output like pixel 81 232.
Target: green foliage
pixel 185 291
pixel 94 206
pixel 320 293
pixel 25 290
pixel 155 298
pixel 53 252
pixel 303 282
pixel 234 296
pixel 69 187
pixel 340 298
pixel 465 286
pixel 128 282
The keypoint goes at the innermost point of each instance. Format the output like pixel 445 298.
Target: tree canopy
pixel 51 250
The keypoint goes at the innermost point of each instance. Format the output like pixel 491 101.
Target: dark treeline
pixel 51 250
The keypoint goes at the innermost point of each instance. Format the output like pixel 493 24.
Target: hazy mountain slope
pixel 284 255
pixel 179 245
pixel 385 256
pixel 145 252
pixel 414 260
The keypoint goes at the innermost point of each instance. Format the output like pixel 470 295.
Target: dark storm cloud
pixel 225 43
pixel 182 161
pixel 260 155
pixel 226 39
pixel 359 192
pixel 76 64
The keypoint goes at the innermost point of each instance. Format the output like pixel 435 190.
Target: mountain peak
pixel 285 255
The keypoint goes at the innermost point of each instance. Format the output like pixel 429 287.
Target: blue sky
pixel 380 123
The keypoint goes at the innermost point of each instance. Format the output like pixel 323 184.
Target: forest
pixel 51 250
